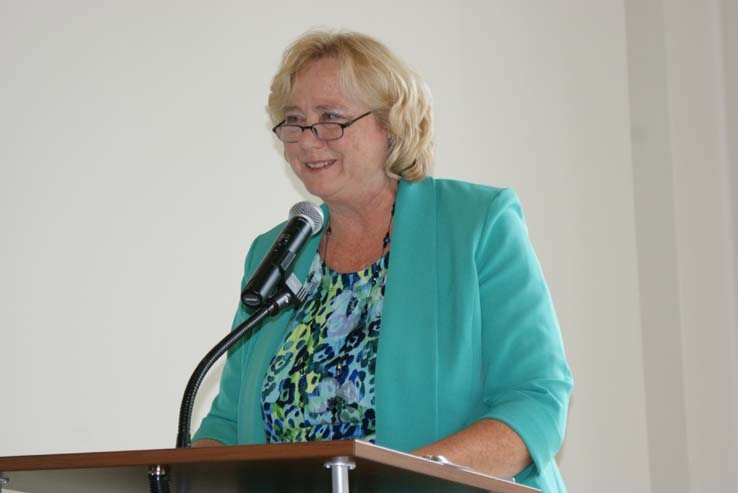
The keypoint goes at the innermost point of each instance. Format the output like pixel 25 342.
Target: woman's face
pixel 346 170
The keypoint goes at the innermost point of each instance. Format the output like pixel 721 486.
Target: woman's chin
pixel 321 184
pixel 320 189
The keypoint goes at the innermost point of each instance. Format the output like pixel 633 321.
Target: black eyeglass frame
pixel 343 126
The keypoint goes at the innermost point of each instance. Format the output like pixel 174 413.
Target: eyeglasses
pixel 291 133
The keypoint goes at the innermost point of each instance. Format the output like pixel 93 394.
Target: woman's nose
pixel 309 140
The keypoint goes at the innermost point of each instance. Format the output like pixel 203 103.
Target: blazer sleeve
pixel 221 423
pixel 526 379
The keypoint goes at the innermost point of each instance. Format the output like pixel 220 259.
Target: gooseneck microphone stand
pixel 291 293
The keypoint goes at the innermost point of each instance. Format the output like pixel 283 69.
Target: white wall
pixel 705 247
pixel 682 69
pixel 136 166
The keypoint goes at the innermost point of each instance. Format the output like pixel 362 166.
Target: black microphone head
pixel 311 212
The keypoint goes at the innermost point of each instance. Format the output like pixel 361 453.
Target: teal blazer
pixel 468 331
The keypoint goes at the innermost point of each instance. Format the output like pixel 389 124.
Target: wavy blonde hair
pixel 372 74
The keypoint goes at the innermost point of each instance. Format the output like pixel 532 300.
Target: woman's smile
pixel 316 165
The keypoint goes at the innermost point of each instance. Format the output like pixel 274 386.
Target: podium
pixel 338 466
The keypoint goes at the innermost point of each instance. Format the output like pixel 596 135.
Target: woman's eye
pixel 332 116
pixel 290 119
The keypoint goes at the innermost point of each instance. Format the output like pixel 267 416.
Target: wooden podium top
pixel 284 468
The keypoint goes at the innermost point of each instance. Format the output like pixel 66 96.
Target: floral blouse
pixel 320 383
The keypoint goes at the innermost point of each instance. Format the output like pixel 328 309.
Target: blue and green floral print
pixel 320 384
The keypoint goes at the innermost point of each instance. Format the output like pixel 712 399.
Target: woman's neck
pixel 357 230
pixel 349 217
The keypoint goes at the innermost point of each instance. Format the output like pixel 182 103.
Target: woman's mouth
pixel 320 164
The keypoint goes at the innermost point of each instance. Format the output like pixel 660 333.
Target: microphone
pixel 305 220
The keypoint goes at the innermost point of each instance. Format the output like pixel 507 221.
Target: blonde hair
pixel 369 72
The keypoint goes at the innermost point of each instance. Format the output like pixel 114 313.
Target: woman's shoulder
pixel 464 190
pixel 463 198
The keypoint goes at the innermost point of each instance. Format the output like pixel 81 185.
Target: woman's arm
pixel 525 378
pixel 219 427
pixel 489 446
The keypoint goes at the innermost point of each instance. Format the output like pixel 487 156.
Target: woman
pixel 454 350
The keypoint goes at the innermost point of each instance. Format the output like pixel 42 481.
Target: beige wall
pixel 136 166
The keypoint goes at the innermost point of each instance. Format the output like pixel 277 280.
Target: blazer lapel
pixel 407 357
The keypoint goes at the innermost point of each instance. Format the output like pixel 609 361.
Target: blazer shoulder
pixel 465 191
pixel 474 199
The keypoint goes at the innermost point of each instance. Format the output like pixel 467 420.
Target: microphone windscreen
pixel 309 211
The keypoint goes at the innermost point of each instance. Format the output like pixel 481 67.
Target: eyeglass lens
pixel 323 131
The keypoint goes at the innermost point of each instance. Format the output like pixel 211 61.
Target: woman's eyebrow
pixel 321 107
pixel 332 107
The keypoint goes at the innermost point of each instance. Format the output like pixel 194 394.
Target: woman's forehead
pixel 318 87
